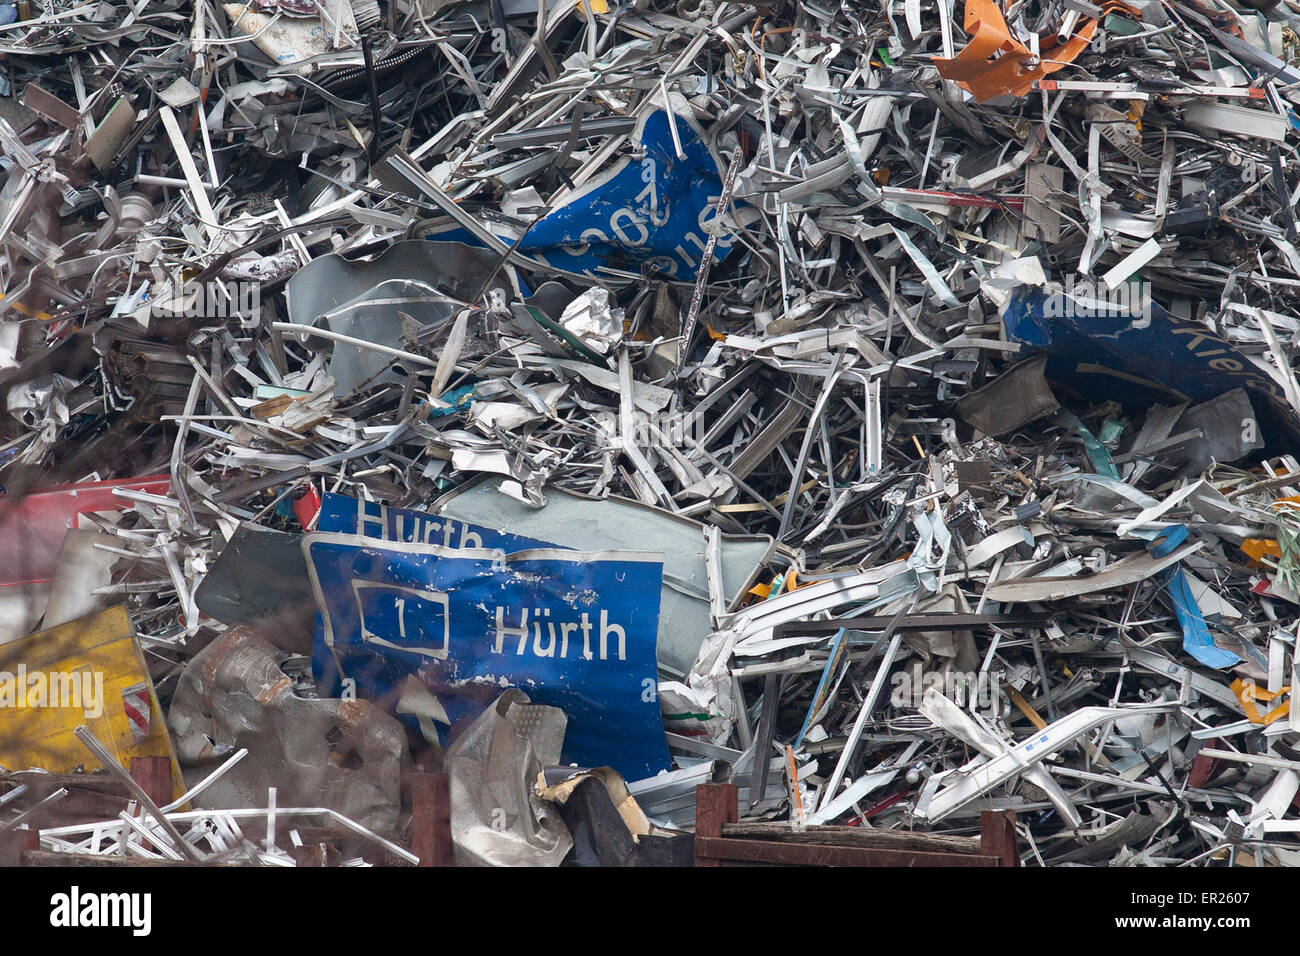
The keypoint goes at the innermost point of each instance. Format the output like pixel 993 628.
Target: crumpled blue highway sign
pixel 652 209
pixel 1145 358
pixel 572 629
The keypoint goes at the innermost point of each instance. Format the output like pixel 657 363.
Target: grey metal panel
pixel 577 521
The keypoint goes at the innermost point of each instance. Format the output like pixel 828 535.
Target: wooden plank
pixel 855 836
pixel 154 775
pixel 998 836
pixel 800 854
pixel 15 844
pixel 716 804
pixel 431 819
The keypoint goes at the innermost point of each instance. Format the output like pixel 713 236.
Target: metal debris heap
pixel 891 414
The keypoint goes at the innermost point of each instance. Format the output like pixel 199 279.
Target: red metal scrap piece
pixel 1204 769
pixel 307 506
pixel 33 524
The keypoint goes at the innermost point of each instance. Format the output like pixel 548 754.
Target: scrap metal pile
pixel 891 413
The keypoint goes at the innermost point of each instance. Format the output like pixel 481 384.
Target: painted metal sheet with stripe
pixel 87 672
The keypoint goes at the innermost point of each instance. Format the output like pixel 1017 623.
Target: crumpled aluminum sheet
pixel 497 818
pixel 346 755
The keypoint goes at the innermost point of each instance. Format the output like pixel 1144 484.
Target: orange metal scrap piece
pixel 974 69
pixel 1257 549
pixel 1247 694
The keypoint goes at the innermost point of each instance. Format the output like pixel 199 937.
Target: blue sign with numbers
pixel 572 629
pixel 652 209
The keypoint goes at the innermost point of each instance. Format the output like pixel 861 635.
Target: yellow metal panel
pixel 54 681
